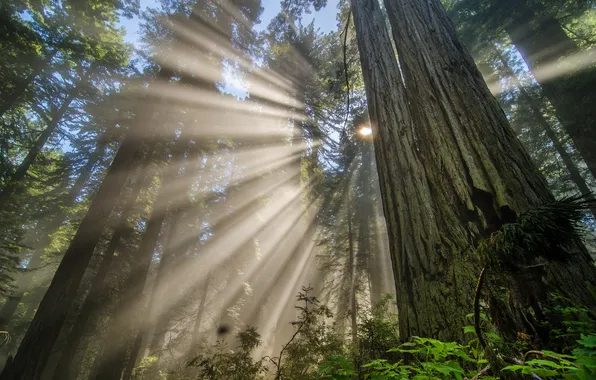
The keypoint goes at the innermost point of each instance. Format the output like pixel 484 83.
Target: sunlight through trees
pixel 246 189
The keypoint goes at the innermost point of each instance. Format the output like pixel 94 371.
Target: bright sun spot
pixel 365 131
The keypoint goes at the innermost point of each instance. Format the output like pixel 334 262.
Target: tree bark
pixel 352 275
pixel 43 331
pixel 97 296
pixel 112 361
pixel 450 167
pixel 547 49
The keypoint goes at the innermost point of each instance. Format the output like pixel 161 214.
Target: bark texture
pixel 450 167
pixel 43 331
pixel 66 368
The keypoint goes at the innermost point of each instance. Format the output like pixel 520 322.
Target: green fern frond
pixel 547 231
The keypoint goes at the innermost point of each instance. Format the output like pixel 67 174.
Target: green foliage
pixel 336 367
pixel 567 323
pixel 314 342
pixel 146 365
pixel 580 365
pixel 220 362
pixel 547 231
pixel 427 359
pixel 378 333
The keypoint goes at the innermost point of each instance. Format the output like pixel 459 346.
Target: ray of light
pixel 176 93
pixel 188 275
pixel 285 229
pixel 286 296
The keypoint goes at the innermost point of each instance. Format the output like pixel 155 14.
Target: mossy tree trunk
pixel 450 167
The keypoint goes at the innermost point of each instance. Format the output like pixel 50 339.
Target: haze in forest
pixel 249 189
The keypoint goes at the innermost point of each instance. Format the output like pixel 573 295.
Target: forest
pixel 297 189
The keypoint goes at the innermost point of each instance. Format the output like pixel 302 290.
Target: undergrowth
pixel 316 351
pixel 563 345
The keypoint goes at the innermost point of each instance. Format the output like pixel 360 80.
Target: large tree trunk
pixel 451 169
pixel 37 344
pixel 121 335
pixel 554 58
pixel 135 285
pixel 97 296
pixel 24 281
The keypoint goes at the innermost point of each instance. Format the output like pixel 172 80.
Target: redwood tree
pixel 450 167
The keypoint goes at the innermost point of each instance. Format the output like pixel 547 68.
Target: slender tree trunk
pixel 576 176
pixel 19 174
pixel 197 326
pixel 136 284
pixel 352 274
pixel 450 167
pixel 43 331
pixel 24 282
pixel 97 296
pixel 24 84
pixel 552 57
pixel 167 264
pixel 133 356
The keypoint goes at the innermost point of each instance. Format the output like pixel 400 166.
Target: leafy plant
pixel 222 363
pixel 428 359
pixel 581 365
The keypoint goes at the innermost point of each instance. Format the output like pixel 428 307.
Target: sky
pixel 325 19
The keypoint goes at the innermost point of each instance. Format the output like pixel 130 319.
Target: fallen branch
pixel 484 372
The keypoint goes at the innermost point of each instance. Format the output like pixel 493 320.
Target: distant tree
pixel 542 32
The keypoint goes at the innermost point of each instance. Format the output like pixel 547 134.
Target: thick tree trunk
pixel 576 176
pixel 96 298
pixel 554 58
pixel 451 169
pixel 135 350
pixel 121 335
pixel 43 331
pixel 24 281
